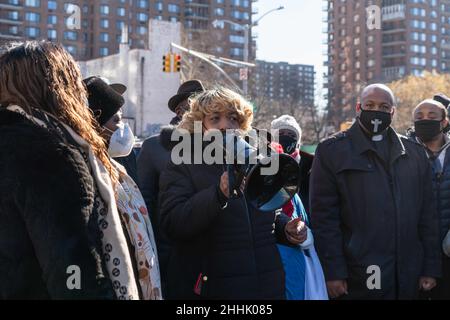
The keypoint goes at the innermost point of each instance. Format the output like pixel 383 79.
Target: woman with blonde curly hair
pixel 60 231
pixel 222 247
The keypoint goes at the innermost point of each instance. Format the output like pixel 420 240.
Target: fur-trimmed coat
pixel 46 221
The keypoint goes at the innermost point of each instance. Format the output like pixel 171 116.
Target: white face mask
pixel 121 142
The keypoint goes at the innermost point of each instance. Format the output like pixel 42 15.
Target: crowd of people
pixel 370 219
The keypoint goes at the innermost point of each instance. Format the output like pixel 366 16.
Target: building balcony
pixel 10 36
pixel 10 6
pixel 327 6
pixel 394 55
pixel 197 3
pixel 392 73
pixel 394 43
pixel 394 30
pixel 196 16
pixel 394 12
pixel 10 21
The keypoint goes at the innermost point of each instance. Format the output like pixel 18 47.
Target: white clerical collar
pixel 377 138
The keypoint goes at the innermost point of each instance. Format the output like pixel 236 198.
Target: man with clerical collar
pixel 372 208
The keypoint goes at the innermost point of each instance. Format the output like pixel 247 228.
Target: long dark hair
pixel 43 75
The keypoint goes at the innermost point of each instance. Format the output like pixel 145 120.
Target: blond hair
pixel 218 100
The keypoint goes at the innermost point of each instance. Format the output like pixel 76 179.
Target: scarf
pixel 114 244
pixel 134 213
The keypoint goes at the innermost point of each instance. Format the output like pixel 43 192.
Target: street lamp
pixel 246 28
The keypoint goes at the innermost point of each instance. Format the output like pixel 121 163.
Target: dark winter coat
pixel 441 188
pixel 225 253
pixel 130 165
pixel 46 226
pixel 306 161
pixel 364 215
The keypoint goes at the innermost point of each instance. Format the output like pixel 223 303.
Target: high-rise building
pixel 284 83
pixel 92 28
pixel 381 41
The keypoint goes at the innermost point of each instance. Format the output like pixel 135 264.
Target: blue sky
pixel 292 35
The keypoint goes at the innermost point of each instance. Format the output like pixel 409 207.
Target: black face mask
pixel 426 130
pixel 288 143
pixel 375 122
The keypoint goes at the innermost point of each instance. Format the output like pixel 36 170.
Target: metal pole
pixel 246 57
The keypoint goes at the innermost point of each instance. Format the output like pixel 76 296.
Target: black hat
pixel 185 91
pixel 104 100
pixel 442 98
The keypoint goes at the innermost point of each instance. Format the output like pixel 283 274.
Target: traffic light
pixel 177 63
pixel 167 62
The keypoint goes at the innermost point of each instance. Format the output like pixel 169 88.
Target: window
pixel 141 30
pixel 120 25
pixel 104 23
pixel 32 32
pixel 104 51
pixel 173 19
pixel 173 8
pixel 104 10
pixel 143 4
pixel 33 3
pixel 159 6
pixel 237 39
pixel 71 49
pixel 236 52
pixel 142 17
pixel 104 37
pixel 52 5
pixel 70 35
pixel 32 16
pixel 13 15
pixel 219 12
pixel 51 34
pixel 121 12
pixel 52 19
pixel 13 30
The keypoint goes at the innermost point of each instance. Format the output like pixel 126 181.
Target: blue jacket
pixel 294 260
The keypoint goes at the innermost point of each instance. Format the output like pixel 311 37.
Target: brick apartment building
pixel 284 83
pixel 102 23
pixel 414 36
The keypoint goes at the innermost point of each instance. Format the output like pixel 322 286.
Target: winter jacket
pixel 47 225
pixel 218 253
pixel 366 213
